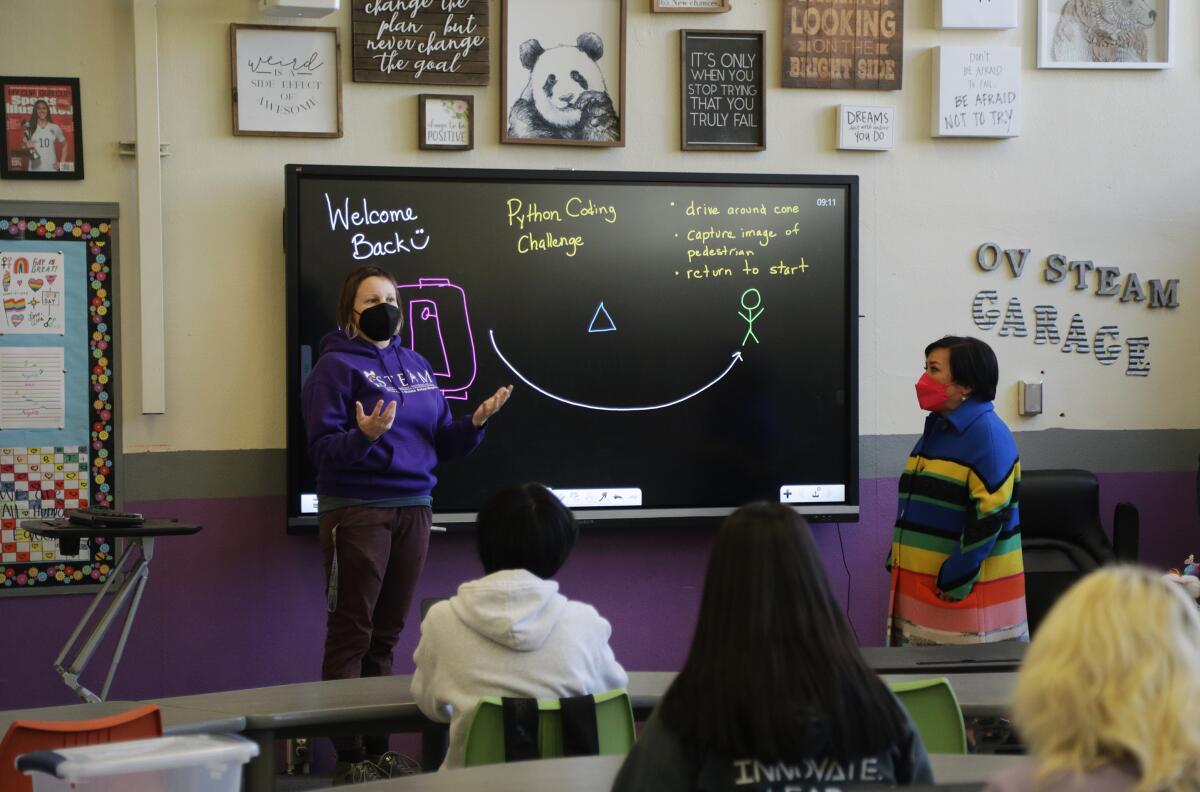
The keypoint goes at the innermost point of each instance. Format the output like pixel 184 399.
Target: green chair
pixel 932 705
pixel 614 730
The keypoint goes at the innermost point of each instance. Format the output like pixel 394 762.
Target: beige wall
pixel 1104 169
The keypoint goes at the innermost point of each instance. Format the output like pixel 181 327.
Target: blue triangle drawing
pixel 601 325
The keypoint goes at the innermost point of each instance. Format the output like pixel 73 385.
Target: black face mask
pixel 378 322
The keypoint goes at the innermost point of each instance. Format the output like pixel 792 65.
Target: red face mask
pixel 931 394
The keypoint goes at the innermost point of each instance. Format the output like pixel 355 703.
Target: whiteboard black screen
pixel 682 343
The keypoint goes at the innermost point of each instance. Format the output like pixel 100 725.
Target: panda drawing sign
pixel 562 73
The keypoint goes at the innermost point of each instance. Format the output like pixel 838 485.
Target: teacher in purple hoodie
pixel 377 426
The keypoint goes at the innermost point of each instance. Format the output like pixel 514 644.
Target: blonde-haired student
pixel 1108 698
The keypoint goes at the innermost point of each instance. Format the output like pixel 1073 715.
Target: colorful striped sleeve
pixel 986 517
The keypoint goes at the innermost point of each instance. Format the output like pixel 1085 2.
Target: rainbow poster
pixel 31 288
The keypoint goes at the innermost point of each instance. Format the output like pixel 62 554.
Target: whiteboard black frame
pixel 296 451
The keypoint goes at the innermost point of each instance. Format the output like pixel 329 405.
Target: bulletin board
pixel 57 387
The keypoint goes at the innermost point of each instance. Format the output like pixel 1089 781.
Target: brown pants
pixel 373 558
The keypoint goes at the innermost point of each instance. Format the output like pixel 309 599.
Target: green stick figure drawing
pixel 751 313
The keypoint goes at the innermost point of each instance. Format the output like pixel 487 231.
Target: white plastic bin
pixel 188 763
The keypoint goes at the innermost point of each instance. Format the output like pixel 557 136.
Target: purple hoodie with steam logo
pixel 400 462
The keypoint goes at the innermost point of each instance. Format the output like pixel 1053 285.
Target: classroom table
pixel 314 709
pixel 646 689
pixel 939 660
pixel 981 695
pixel 351 706
pixel 175 720
pixel 127 581
pixel 385 705
pixel 596 774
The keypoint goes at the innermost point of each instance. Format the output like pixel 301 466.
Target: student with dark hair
pixel 956 566
pixel 774 686
pixel 377 426
pixel 510 633
pixel 525 527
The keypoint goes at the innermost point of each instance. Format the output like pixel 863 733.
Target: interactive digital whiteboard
pixel 679 344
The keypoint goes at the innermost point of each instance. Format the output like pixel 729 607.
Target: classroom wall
pixel 1103 170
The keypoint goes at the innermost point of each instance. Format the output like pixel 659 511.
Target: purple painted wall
pixel 240 604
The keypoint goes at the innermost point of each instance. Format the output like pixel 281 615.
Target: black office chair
pixel 1062 537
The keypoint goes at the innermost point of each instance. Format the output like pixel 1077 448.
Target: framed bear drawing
pixel 562 76
pixel 1105 34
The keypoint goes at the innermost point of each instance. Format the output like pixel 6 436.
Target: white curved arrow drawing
pixel 735 358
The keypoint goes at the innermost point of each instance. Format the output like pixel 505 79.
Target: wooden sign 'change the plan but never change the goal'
pixel 421 42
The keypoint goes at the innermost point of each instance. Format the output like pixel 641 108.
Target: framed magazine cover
pixel 42 128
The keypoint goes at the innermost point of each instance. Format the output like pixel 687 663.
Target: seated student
pixel 774 693
pixel 1108 697
pixel 511 633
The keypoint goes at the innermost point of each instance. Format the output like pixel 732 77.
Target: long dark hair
pixel 773 672
pixel 32 124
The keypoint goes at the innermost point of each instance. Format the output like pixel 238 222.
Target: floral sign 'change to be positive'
pixel 446 122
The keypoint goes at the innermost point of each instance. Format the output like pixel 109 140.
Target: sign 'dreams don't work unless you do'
pixel 421 42
pixel 839 44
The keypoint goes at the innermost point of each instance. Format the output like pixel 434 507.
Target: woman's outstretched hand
pixel 378 422
pixel 491 406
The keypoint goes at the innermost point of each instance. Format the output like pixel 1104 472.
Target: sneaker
pixel 394 765
pixel 357 772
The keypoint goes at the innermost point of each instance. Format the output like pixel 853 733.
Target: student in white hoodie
pixel 511 633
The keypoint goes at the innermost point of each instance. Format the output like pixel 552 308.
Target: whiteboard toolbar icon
pixel 600 498
pixel 812 493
